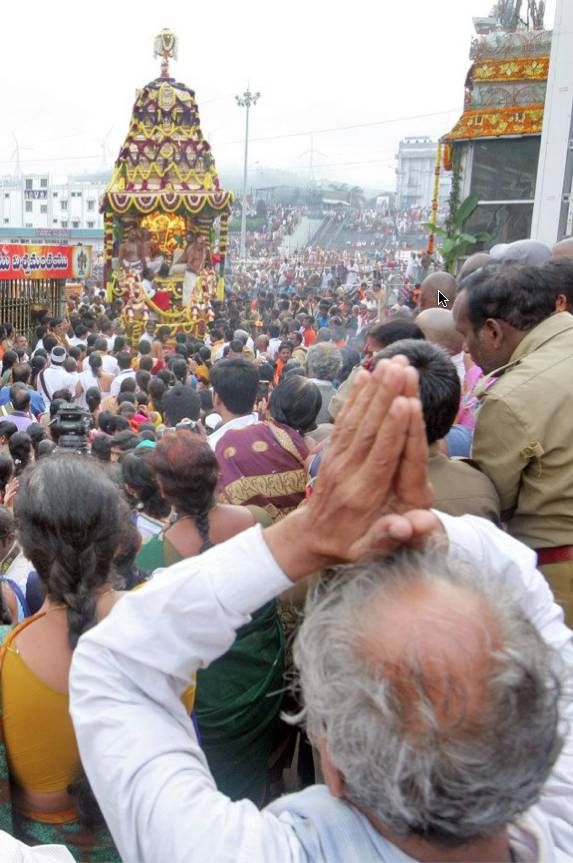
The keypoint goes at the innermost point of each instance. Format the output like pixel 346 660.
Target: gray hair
pixel 383 730
pixel 242 335
pixel 324 361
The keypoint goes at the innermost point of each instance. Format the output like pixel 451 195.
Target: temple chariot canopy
pixel 165 212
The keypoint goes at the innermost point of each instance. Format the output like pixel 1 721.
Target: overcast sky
pixel 69 72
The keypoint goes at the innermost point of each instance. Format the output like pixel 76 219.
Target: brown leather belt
pixel 559 554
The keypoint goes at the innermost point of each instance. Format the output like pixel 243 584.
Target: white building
pixel 416 173
pixel 38 202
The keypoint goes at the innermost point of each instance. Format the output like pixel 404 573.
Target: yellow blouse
pixel 38 732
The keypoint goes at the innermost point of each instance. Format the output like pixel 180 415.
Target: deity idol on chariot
pixel 165 213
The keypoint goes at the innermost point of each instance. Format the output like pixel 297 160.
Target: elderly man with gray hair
pixel 323 365
pixel 432 668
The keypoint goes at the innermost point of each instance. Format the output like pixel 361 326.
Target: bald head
pixel 436 638
pixel 439 328
pixel 423 680
pixel 473 263
pixel 434 283
pixel 563 249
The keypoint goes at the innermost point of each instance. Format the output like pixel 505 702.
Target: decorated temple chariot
pixel 165 213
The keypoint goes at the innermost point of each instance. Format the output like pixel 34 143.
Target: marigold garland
pixel 496 122
pixel 515 69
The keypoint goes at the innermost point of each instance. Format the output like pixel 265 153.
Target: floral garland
pixel 435 202
pixel 185 175
pixel 495 122
pixel 518 69
pixel 169 202
pixel 455 189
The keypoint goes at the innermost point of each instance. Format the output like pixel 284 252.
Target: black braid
pixel 74 579
pixel 202 524
pixel 69 518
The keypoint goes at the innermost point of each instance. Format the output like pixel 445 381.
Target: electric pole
pixel 246 100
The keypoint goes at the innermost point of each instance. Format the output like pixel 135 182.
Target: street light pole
pixel 245 101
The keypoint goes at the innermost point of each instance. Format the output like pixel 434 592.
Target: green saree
pixel 85 846
pixel 238 698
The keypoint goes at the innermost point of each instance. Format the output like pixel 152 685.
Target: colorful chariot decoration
pixel 165 213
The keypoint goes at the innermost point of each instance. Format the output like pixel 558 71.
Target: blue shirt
pixel 37 404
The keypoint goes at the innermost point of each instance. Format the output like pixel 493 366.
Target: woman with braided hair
pixel 238 698
pixel 150 509
pixel 68 516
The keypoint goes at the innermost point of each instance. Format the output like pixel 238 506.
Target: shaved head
pixel 473 263
pixel 433 283
pixel 563 249
pixel 434 642
pixel 439 328
pixel 423 680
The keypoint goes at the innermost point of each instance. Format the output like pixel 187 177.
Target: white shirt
pixel 52 379
pixel 88 380
pixel 109 364
pixel 18 571
pixel 237 423
pixel 13 851
pixel 75 341
pixel 156 793
pixel 118 380
pixel 458 361
pixel 218 354
pixel 274 345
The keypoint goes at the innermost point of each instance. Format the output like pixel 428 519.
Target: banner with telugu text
pixel 44 262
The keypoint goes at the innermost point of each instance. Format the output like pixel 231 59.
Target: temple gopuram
pixel 493 150
pixel 165 213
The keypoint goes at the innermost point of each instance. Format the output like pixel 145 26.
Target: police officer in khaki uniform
pixel 523 439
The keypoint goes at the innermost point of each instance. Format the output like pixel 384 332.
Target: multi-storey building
pixel 416 173
pixel 36 205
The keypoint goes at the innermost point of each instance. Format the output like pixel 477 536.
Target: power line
pixel 345 128
pixel 363 162
pixel 286 135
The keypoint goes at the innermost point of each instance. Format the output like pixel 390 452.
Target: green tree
pixel 457 242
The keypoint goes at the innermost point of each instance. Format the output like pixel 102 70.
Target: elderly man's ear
pixel 332 775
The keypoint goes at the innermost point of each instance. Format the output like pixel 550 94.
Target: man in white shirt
pixel 149 332
pixel 108 362
pixel 125 371
pixel 80 336
pixel 437 718
pixel 54 377
pixel 234 383
pixel 108 334
pixel 275 341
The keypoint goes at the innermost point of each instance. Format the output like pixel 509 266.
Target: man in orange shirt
pixel 308 331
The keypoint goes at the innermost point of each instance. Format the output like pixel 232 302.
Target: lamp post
pixel 245 100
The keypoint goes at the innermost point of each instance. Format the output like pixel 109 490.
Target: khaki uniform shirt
pixel 460 488
pixel 524 435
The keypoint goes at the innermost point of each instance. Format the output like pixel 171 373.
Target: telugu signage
pixel 45 262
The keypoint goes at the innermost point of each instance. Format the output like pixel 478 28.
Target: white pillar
pixel 554 174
